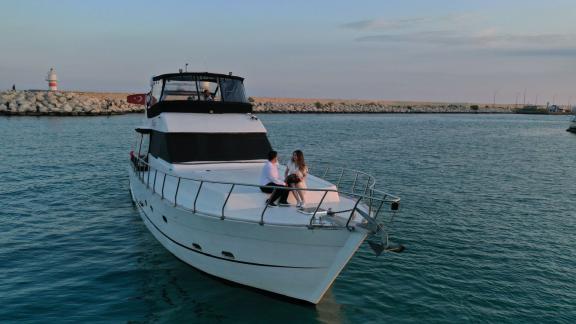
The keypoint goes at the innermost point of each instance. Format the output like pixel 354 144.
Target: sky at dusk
pixel 441 50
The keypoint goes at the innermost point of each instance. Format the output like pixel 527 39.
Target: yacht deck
pixel 245 201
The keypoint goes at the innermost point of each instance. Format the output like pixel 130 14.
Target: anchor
pixel 380 243
pixel 383 245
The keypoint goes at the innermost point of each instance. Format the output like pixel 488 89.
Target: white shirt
pixel 293 169
pixel 270 174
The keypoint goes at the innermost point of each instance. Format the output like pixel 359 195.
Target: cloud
pixel 539 52
pixel 391 24
pixel 381 24
pixel 487 39
pixel 453 32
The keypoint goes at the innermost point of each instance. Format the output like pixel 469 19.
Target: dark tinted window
pixel 193 147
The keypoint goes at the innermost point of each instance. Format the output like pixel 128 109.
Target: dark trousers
pixel 276 193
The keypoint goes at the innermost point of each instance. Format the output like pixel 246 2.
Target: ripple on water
pixel 486 217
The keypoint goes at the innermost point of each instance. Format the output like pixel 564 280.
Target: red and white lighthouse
pixel 52 79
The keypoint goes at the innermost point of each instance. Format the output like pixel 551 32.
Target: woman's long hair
pixel 300 163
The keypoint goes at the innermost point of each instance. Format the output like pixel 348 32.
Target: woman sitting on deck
pixel 296 172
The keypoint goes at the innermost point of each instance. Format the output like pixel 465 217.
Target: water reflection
pixel 173 291
pixel 328 310
pixel 466 177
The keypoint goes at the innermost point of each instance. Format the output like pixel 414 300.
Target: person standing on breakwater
pixel 296 172
pixel 269 177
pixel 13 87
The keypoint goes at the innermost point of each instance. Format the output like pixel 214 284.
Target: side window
pixel 156 92
pixel 232 90
pixel 145 147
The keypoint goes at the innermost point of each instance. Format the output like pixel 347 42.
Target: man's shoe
pixel 284 204
pixel 272 205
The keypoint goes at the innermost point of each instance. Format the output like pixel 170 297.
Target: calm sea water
pixel 488 219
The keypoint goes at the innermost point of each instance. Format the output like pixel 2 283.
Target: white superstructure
pixel 194 178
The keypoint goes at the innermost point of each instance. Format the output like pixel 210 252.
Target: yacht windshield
pixel 233 90
pixel 203 88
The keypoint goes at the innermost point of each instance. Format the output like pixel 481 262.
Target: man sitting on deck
pixel 270 177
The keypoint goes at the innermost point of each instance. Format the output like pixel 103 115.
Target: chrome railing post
pixel 226 201
pixel 325 172
pixel 139 169
pixel 176 194
pixel 354 183
pixel 378 210
pixel 197 194
pixel 154 185
pixel 367 185
pixel 352 212
pixel 340 178
pixel 163 183
pixel 148 178
pixel 371 195
pixel 317 208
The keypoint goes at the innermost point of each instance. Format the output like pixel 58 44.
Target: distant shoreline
pixel 76 103
pixel 64 103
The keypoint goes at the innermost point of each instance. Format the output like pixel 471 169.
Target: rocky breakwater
pixel 60 103
pixel 374 107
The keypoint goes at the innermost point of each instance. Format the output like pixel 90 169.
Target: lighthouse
pixel 52 79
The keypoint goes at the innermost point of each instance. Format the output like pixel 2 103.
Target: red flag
pixel 137 99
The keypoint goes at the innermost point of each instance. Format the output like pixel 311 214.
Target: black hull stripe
pixel 214 256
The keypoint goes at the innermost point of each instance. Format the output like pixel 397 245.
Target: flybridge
pixel 194 92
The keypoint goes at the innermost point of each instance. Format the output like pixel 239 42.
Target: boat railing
pixel 344 178
pixel 368 201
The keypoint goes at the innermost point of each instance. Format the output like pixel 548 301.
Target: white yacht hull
pixel 292 261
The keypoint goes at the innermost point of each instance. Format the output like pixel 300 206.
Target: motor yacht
pixel 572 127
pixel 194 173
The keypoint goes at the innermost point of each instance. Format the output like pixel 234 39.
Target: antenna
pixel 494 101
pixel 524 101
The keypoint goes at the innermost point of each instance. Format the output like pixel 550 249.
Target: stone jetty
pixel 261 106
pixel 65 103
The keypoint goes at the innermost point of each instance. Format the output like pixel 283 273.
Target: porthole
pixel 164 218
pixel 152 209
pixel 197 246
pixel 228 254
